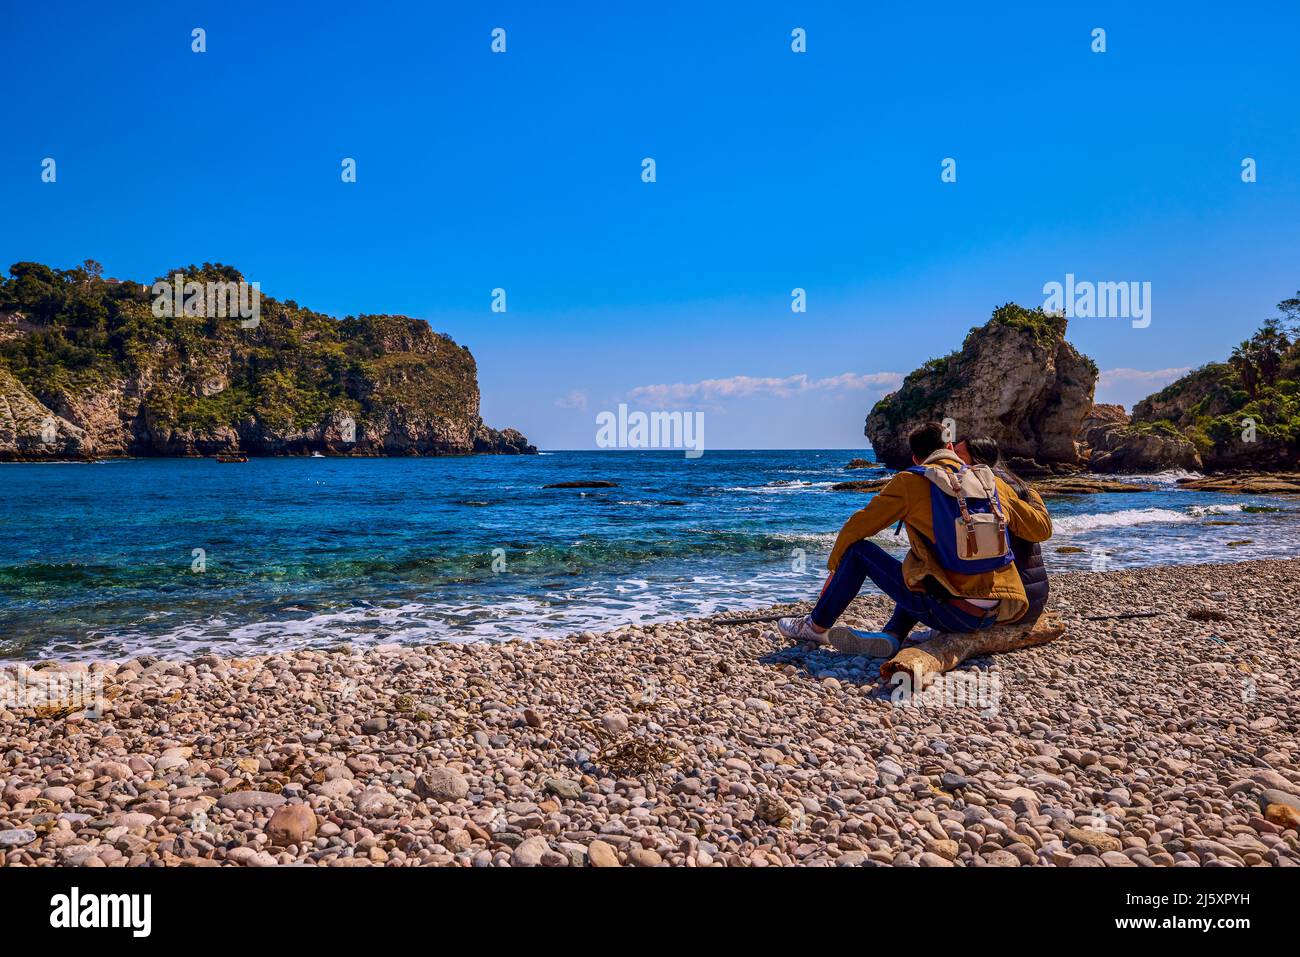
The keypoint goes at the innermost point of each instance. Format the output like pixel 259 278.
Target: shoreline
pixel 708 742
pixel 310 454
pixel 81 658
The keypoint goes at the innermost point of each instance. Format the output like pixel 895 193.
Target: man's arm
pixel 885 508
pixel 1027 517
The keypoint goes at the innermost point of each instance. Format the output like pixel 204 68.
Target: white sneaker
pixel 872 644
pixel 800 629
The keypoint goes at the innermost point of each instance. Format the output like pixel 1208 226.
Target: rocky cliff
pixel 89 368
pixel 1015 379
pixel 1114 444
pixel 1239 414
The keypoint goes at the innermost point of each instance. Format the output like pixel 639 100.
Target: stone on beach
pixel 530 852
pixel 244 800
pixel 16 837
pixel 1271 796
pixel 291 824
pixel 563 787
pixel 601 854
pixel 614 722
pixel 1097 840
pixel 644 857
pixel 1283 815
pixel 442 785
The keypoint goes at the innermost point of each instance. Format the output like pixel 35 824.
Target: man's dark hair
pixel 925 440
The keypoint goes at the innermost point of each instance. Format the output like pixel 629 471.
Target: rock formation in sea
pixel 1114 444
pixel 88 369
pixel 1014 379
pixel 1017 380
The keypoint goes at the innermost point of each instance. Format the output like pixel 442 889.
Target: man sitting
pixel 951 598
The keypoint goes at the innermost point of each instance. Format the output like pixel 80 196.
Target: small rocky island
pixel 88 369
pixel 1017 380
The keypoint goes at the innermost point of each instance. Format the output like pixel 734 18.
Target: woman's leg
pixel 863 560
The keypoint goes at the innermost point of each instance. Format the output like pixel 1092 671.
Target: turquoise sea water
pixel 100 560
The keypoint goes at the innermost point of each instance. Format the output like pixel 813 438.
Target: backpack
pixel 970 528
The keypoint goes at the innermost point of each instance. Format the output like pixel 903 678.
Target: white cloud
pixel 1128 386
pixel 577 399
pixel 743 387
pixel 1155 378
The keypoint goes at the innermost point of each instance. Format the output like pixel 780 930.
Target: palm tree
pixel 1271 344
pixel 1242 361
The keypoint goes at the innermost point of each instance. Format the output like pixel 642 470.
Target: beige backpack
pixel 970 527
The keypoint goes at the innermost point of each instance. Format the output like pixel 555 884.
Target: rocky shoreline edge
pixel 1160 731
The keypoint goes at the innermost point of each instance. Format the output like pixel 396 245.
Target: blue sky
pixel 775 170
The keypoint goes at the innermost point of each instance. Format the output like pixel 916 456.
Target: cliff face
pixel 87 369
pixel 1015 379
pixel 29 430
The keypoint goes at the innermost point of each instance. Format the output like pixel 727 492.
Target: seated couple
pixel 974 561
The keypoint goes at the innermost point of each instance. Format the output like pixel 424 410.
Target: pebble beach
pixel 1162 735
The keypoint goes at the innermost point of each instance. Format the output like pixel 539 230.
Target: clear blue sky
pixel 775 170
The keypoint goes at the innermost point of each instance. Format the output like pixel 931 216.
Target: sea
pixel 179 557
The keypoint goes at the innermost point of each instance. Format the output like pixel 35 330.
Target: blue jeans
pixel 866 559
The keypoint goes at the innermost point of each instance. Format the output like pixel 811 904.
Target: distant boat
pixel 317 455
pixel 231 457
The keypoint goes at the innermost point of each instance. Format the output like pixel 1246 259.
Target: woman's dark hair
pixel 984 451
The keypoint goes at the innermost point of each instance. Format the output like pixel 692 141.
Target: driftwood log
pixel 946 651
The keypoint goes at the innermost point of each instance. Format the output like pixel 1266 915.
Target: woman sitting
pixel 1029 555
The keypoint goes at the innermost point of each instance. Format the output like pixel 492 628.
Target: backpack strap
pixel 995 501
pixel 954 483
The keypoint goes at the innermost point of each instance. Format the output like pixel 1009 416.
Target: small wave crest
pixel 1143 516
pixel 1166 477
pixel 1125 517
pixel 780 486
pixel 1216 509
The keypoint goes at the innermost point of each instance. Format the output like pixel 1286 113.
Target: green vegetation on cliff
pixel 97 353
pixel 1243 413
pixel 1046 328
